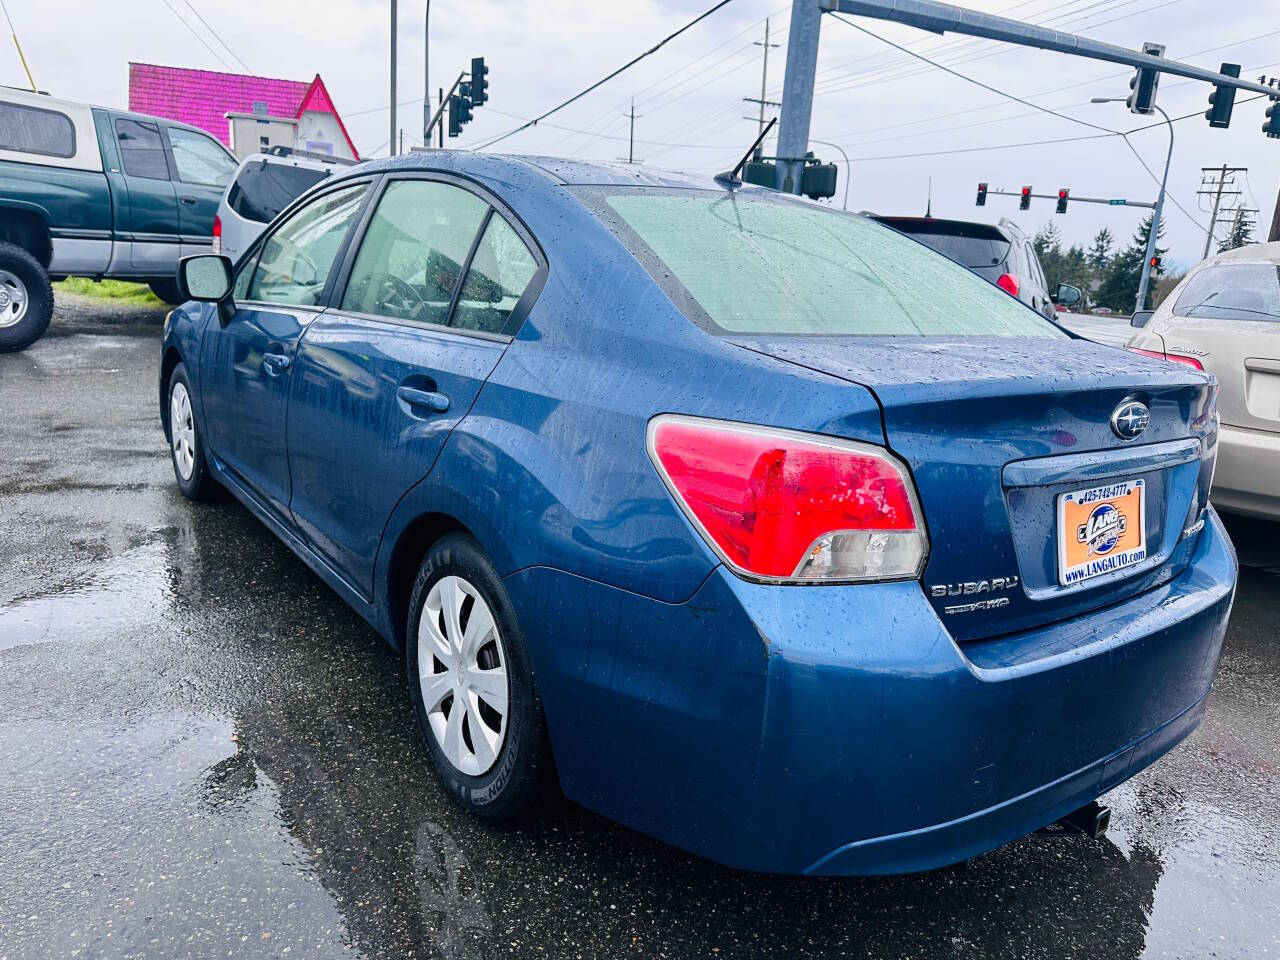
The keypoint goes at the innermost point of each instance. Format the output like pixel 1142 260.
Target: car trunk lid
pixel 995 430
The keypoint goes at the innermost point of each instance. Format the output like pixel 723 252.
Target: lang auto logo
pixel 1129 419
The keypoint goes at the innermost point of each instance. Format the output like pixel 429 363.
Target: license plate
pixel 1101 530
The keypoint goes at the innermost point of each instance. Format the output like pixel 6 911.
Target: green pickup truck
pixel 93 192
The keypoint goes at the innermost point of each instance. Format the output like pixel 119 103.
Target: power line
pixel 626 66
pixel 196 33
pixel 985 86
pixel 216 36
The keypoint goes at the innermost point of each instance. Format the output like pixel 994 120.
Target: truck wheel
pixel 26 299
pixel 167 291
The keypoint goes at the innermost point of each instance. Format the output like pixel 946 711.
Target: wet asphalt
pixel 205 753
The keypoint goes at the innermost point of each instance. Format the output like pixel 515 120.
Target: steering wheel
pixel 402 295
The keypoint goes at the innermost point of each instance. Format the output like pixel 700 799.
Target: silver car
pixel 1224 317
pixel 264 184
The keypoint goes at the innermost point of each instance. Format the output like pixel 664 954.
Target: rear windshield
pixel 765 263
pixel 263 188
pixel 35 130
pixel 970 251
pixel 1232 291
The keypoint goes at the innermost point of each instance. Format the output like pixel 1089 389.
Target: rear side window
pixel 769 265
pixel 141 149
pixel 413 251
pixel 1232 291
pixel 496 280
pixel 35 130
pixel 200 159
pixel 263 189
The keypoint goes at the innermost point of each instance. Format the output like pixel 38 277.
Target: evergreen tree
pixel 1048 241
pixel 1100 251
pixel 1119 288
pixel 1241 234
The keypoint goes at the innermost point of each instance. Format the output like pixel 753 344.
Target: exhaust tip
pixel 1092 820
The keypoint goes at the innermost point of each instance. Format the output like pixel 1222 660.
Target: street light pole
pixel 426 76
pixel 1145 282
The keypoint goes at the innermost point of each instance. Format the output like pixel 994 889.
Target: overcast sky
pixel 891 113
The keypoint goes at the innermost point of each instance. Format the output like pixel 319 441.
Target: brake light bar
pixel 783 506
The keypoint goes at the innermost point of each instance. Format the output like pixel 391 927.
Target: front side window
pixel 35 130
pixel 765 264
pixel 496 280
pixel 1232 291
pixel 141 149
pixel 413 251
pixel 200 159
pixel 294 265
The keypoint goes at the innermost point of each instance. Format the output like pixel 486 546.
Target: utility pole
pixel 402 139
pixel 797 92
pixel 631 138
pixel 1216 186
pixel 764 73
pixel 1274 234
pixel 441 124
pixel 392 147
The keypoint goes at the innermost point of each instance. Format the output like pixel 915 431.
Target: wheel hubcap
pixel 13 299
pixel 462 670
pixel 182 430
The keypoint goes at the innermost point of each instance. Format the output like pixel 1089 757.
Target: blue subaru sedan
pixel 751 524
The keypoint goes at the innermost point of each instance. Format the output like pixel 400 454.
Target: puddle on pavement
pixel 128 589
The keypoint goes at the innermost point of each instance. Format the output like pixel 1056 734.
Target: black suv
pixel 1001 253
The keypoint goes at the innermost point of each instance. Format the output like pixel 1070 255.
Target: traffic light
pixel 464 91
pixel 1223 99
pixel 1063 194
pixel 818 180
pixel 1142 98
pixel 1155 263
pixel 456 114
pixel 982 194
pixel 1025 202
pixel 479 81
pixel 1272 127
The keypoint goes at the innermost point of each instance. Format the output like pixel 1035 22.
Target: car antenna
pixel 730 177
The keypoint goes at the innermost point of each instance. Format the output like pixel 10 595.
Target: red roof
pixel 203 98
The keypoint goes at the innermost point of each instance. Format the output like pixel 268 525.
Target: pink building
pixel 247 113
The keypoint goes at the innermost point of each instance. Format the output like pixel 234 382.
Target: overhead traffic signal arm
pixel 1026 195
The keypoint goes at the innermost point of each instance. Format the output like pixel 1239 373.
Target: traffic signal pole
pixel 1155 221
pixel 797 93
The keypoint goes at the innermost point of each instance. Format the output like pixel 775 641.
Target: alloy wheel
pixel 462 669
pixel 13 299
pixel 182 430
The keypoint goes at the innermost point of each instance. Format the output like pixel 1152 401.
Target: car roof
pixel 556 170
pixel 1269 252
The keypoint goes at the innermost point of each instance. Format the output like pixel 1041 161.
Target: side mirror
pixel 1141 318
pixel 1067 295
pixel 205 277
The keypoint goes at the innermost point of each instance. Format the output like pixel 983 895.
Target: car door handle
pixel 189 201
pixel 275 363
pixel 428 399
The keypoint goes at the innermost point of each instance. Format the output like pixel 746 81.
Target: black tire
pixel 22 275
pixel 521 771
pixel 199 484
pixel 167 291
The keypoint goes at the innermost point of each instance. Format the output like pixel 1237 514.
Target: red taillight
pixel 781 505
pixel 1009 283
pixel 217 234
pixel 1171 357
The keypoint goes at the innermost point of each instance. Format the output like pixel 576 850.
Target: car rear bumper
pixel 1247 478
pixel 840 730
